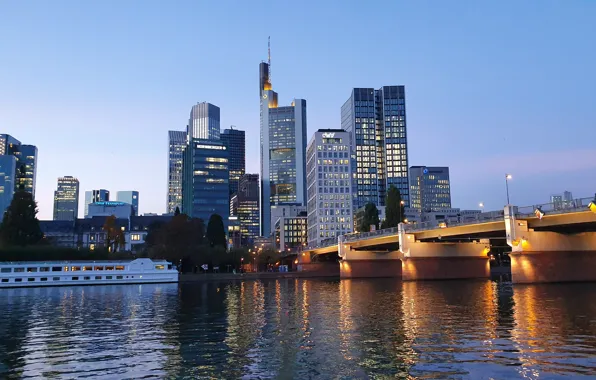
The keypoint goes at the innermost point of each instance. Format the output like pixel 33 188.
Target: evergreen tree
pixel 177 211
pixel 371 217
pixel 394 208
pixel 215 231
pixel 20 226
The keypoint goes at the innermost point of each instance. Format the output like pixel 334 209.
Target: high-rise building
pixel 376 120
pixel 235 141
pixel 283 149
pixel 430 189
pixel 177 144
pixel 203 122
pixel 8 165
pixel 329 185
pixel 205 182
pixel 92 196
pixel 26 162
pixel 245 205
pixel 6 144
pixel 562 201
pixel 130 197
pixel 66 199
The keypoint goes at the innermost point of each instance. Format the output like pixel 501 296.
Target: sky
pixel 491 87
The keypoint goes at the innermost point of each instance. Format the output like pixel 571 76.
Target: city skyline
pixel 470 132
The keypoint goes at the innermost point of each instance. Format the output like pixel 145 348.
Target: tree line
pixel 394 212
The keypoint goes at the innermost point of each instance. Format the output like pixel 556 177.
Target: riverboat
pixel 56 273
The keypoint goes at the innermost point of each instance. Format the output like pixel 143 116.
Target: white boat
pixel 55 273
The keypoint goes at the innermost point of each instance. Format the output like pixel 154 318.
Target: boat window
pixel 57 269
pixel 170 266
pixel 86 278
pixel 98 277
pixel 6 270
pixel 18 280
pixel 31 279
pixel 74 278
pixel 108 277
pixel 120 267
pixel 98 268
pixel 87 268
pixel 75 269
pixel 18 270
pixel 56 279
pixel 43 279
pixel 159 267
pixel 66 269
pixel 31 270
pixel 118 277
pixel 5 280
pixel 44 269
pixel 109 268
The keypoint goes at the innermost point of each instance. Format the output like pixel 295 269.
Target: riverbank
pixel 205 277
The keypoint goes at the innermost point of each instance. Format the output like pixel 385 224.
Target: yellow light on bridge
pixel 592 207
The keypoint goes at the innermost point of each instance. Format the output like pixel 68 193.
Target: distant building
pixel 66 199
pixel 130 197
pixel 176 145
pixel 245 205
pixel 8 164
pixel 235 239
pixel 562 201
pixel 430 189
pixel 203 122
pixel 92 196
pixel 376 119
pixel 108 208
pixel 26 162
pixel 205 186
pixel 291 233
pixel 329 185
pixel 235 141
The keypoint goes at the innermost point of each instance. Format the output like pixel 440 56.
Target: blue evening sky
pixel 491 87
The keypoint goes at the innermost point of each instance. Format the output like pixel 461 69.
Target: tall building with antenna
pixel 283 149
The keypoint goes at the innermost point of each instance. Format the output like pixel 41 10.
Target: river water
pixel 300 329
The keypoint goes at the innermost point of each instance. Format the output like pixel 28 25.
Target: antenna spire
pixel 269 57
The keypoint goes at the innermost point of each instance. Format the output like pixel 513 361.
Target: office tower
pixel 283 148
pixel 26 162
pixel 177 144
pixel 130 197
pixel 430 189
pixel 93 196
pixel 8 166
pixel 66 199
pixel 234 141
pixel 6 144
pixel 562 201
pixel 205 180
pixel 291 233
pixel 376 120
pixel 329 185
pixel 245 205
pixel 203 122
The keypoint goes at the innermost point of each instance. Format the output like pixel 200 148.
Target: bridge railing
pixel 559 207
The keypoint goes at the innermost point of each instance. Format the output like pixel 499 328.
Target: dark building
pixel 26 162
pixel 430 188
pixel 205 182
pixel 245 206
pixel 66 199
pixel 235 141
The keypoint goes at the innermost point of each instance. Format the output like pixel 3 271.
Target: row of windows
pixel 74 278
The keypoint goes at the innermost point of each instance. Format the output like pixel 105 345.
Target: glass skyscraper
pixel 245 205
pixel 26 162
pixel 203 122
pixel 235 141
pixel 376 120
pixel 8 166
pixel 430 188
pixel 205 183
pixel 66 199
pixel 177 144
pixel 92 196
pixel 130 197
pixel 283 149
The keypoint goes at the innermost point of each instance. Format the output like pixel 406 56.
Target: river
pixel 300 329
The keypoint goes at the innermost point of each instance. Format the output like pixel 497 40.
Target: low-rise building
pixel 108 208
pixel 291 233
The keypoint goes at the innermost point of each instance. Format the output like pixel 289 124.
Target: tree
pixel 215 231
pixel 394 208
pixel 114 234
pixel 371 217
pixel 20 226
pixel 177 211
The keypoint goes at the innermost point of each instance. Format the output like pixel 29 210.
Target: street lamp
pixel 481 205
pixel 507 178
pixel 401 204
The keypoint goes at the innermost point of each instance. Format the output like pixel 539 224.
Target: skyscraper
pixel 376 120
pixel 329 185
pixel 203 122
pixel 430 189
pixel 92 196
pixel 130 197
pixel 26 162
pixel 177 144
pixel 8 165
pixel 283 149
pixel 66 199
pixel 205 182
pixel 245 204
pixel 234 141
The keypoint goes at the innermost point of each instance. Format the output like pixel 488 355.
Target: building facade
pixel 245 205
pixel 176 145
pixel 66 199
pixel 203 122
pixel 376 121
pixel 329 185
pixel 430 189
pixel 8 166
pixel 92 196
pixel 26 162
pixel 205 184
pixel 235 141
pixel 283 149
pixel 291 233
pixel 131 197
pixel 108 208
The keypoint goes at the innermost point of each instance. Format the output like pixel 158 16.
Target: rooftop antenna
pixel 269 57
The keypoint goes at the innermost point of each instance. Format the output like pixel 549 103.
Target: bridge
pixel 546 243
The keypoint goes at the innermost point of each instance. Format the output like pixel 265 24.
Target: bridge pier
pixel 370 264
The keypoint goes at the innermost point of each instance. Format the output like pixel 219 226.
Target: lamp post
pixel 507 178
pixel 481 205
pixel 401 204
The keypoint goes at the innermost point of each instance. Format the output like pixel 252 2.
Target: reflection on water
pixel 301 329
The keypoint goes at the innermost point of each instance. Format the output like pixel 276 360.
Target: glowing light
pixel 508 176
